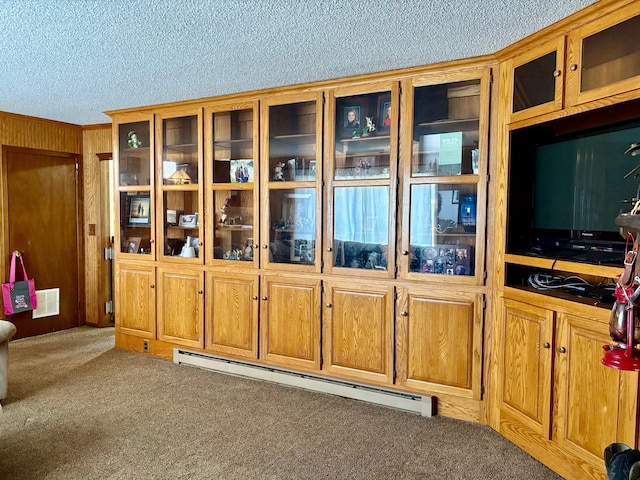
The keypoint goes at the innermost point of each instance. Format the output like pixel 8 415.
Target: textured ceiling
pixel 72 60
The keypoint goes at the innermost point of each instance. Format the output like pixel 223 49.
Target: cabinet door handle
pixel 557 73
pixel 329 249
pixel 562 350
pixel 255 297
pixel 153 286
pixel 404 314
pixel 546 345
pixel 573 67
pixel 264 298
pixel 328 305
pixel 200 292
pixel 265 246
pixel 405 252
pixel 255 246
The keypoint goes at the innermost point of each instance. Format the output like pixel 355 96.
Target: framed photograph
pixel 351 117
pixel 383 124
pixel 241 171
pixel 190 221
pixel 133 244
pixel 128 179
pixel 139 210
pixel 302 251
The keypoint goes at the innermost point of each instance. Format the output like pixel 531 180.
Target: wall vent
pixel 48 303
pixel 420 404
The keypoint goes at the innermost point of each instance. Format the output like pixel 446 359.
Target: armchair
pixel 7 331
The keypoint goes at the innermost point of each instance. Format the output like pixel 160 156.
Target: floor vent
pixel 419 404
pixel 48 303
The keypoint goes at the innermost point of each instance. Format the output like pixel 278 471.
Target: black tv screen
pixel 580 187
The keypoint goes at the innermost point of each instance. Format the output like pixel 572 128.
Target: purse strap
pixel 12 269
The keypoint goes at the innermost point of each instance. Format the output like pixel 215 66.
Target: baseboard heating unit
pixel 420 404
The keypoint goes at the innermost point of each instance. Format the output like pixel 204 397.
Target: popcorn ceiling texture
pixel 71 60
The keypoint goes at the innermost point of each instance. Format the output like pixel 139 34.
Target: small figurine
pixel 278 172
pixel 133 140
pixel 370 128
pixel 225 211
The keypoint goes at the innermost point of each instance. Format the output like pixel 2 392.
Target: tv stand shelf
pixel 557 299
pixel 552 264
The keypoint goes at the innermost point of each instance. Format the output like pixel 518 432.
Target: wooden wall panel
pixel 96 140
pixel 38 133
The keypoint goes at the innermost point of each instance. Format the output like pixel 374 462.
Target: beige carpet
pixel 80 409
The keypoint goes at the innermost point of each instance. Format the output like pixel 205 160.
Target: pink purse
pixel 19 296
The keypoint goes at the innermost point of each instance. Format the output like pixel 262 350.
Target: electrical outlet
pixel 146 346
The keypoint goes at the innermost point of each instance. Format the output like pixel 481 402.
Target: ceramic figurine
pixel 133 140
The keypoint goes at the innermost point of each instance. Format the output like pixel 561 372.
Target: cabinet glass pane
pixel 135 222
pixel 134 154
pixel 233 226
pixel 445 129
pixel 181 224
pixel 180 150
pixel 361 227
pixel 442 230
pixel 292 142
pixel 233 147
pixel 292 216
pixel 362 136
pixel 611 55
pixel 534 83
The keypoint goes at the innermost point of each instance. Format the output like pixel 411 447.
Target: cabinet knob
pixel 329 249
pixel 556 73
pixel 264 298
pixel 573 67
pixel 405 252
pixel 200 244
pixel 404 313
pixel 328 305
pixel 255 297
pixel 152 241
pixel 153 286
pixel 546 345
pixel 255 246
pixel 265 246
pixel 562 350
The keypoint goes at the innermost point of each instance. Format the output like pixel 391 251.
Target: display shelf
pixel 563 265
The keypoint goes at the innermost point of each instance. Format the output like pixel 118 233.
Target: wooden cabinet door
pixel 525 368
pixel 290 322
pixel 604 56
pixel 535 80
pixel 358 332
pixel 135 301
pixel 231 321
pixel 439 342
pixel 596 404
pixel 181 306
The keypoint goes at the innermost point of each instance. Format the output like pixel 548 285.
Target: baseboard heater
pixel 420 404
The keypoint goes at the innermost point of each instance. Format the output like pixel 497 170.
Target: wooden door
pixel 439 342
pixel 181 306
pixel 290 322
pixel 596 404
pixel 231 319
pixel 43 220
pixel 358 332
pixel 135 306
pixel 525 368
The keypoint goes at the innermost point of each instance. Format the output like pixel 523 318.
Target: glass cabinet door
pixel 360 225
pixel 134 180
pixel 604 56
pixel 179 139
pixel 443 167
pixel 231 137
pixel 291 170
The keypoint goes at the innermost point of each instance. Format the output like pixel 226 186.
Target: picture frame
pixel 301 251
pixel 383 117
pixel 350 119
pixel 241 170
pixel 139 213
pixel 189 220
pixel 133 244
pixel 128 179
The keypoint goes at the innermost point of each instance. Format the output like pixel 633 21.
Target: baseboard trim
pixel 419 404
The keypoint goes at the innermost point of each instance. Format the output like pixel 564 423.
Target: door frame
pixel 4 201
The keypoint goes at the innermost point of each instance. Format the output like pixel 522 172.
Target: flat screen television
pixel 579 188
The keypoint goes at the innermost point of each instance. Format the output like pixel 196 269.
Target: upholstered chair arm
pixel 7 330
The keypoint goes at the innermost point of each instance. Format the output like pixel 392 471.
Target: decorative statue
pixel 133 140
pixel 370 128
pixel 278 172
pixel 225 211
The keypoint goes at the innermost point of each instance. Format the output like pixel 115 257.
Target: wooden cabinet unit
pixel 557 400
pixel 231 315
pixel 358 331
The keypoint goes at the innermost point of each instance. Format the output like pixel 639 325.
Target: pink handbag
pixel 19 296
